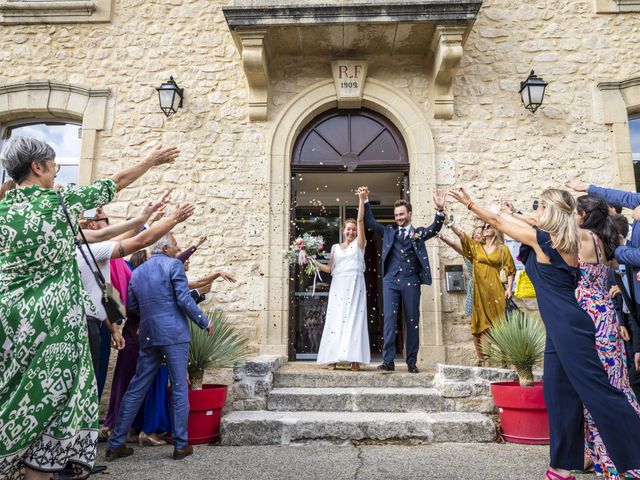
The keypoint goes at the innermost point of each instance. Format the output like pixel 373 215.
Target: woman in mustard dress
pixel 489 293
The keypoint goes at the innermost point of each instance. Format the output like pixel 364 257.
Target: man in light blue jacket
pixel 159 292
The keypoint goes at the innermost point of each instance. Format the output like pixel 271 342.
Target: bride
pixel 345 337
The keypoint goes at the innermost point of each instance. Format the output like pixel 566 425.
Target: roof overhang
pixel 434 29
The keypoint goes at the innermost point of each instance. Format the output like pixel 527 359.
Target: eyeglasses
pixel 105 219
pixel 535 205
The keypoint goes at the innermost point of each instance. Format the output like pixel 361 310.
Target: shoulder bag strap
pixel 97 274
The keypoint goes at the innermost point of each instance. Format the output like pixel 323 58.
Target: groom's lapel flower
pixel 414 235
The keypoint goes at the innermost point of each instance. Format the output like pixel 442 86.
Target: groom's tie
pixel 402 232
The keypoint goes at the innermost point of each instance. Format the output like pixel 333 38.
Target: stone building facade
pixel 444 74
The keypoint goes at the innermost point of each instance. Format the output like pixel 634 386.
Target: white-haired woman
pixel 48 396
pixel 573 373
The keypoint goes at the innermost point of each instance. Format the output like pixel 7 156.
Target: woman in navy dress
pixel 573 373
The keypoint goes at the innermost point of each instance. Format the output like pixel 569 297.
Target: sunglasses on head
pixel 105 219
pixel 487 227
pixel 535 205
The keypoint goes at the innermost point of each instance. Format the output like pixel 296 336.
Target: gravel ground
pixel 336 462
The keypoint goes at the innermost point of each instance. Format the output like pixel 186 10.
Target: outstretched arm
pixel 619 197
pixel 159 156
pixel 369 220
pixel 518 231
pixel 361 238
pixel 452 244
pixel 152 234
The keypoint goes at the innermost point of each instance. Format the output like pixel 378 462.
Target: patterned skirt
pixel 48 395
pixel 611 351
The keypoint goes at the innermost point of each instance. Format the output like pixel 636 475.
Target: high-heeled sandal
pixel 550 475
pixel 331 366
pixel 355 367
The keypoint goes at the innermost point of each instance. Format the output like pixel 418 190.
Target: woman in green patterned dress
pixel 48 397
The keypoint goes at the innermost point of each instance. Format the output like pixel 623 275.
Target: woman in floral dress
pixel 48 395
pixel 598 240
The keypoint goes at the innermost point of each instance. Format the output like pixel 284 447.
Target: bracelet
pixel 470 204
pixel 448 225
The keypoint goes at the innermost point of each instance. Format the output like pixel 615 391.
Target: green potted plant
pixel 222 349
pixel 519 341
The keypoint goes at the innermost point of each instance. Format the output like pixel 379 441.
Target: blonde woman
pixel 345 337
pixel 573 373
pixel 488 256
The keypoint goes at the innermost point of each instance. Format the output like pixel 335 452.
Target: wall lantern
pixel 171 96
pixel 532 92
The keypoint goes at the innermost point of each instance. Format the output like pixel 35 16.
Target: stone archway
pixel 43 99
pixel 407 116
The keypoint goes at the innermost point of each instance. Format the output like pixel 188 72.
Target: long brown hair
pixel 6 186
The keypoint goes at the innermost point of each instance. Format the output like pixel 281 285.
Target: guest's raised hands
pixel 160 156
pixel 182 212
pixel 201 240
pixel 225 276
pixel 461 196
pixel 576 185
pixel 153 207
pixel 439 199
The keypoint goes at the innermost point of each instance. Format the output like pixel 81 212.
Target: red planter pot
pixel 523 413
pixel 205 411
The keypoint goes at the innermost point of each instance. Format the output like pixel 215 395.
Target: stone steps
pixel 284 428
pixel 347 379
pixel 358 399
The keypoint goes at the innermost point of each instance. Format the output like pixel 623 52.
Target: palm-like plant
pixel 222 349
pixel 518 341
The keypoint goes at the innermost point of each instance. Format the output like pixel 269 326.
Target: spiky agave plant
pixel 222 349
pixel 518 341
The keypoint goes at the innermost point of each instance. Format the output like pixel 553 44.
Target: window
pixel 64 138
pixel 634 130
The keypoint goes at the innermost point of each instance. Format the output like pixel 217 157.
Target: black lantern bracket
pixel 170 96
pixel 532 92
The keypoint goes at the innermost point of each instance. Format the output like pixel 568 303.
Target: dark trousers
pixel 634 376
pixel 93 329
pixel 406 290
pixel 573 376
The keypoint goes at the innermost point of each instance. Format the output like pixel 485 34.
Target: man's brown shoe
pixel 123 451
pixel 180 453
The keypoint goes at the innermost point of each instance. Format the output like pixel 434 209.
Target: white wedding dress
pixel 345 337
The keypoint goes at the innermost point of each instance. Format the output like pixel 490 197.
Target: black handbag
pixel 111 301
pixel 510 308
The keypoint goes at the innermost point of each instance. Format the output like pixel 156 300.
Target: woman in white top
pixel 345 337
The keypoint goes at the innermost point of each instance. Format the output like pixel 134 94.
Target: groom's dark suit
pixel 405 266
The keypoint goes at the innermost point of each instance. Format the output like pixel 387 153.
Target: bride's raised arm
pixel 362 194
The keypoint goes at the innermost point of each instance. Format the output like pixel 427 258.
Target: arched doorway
pixel 335 153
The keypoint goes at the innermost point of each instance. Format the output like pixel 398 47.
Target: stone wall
pixel 492 145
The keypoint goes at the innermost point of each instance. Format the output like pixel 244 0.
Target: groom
pixel 405 266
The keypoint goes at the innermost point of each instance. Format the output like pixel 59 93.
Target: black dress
pixel 573 373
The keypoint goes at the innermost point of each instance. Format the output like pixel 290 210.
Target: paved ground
pixel 365 462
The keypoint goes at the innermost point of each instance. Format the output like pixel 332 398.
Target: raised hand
pixel 576 185
pixel 182 212
pixel 460 195
pixel 439 199
pixel 227 277
pixel 160 156
pixel 201 240
pixel 157 215
pixel 362 193
pixel 153 207
pixel 205 289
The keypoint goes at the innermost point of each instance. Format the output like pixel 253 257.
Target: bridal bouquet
pixel 304 251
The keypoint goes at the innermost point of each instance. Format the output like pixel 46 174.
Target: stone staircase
pixel 306 404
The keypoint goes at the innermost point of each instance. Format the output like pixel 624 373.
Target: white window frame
pixel 5 127
pixel 54 11
pixel 617 6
